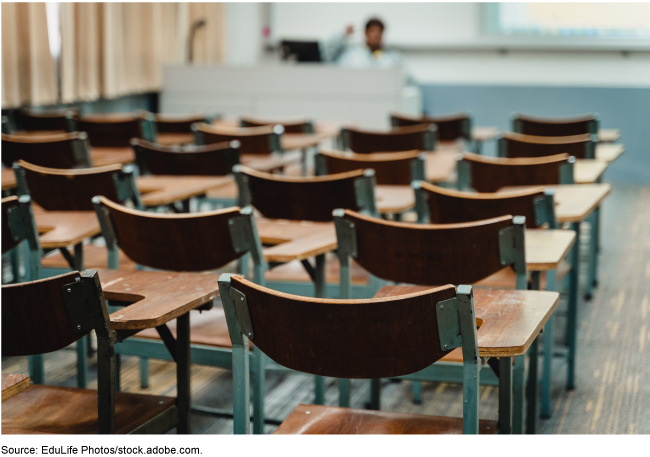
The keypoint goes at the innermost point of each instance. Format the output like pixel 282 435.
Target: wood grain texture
pixel 363 339
pixel 35 318
pixel 161 190
pixel 450 128
pixel 95 258
pixel 59 229
pixel 8 179
pixel 156 297
pixel 295 240
pixel 102 156
pixel 253 140
pixel 210 160
pixel 489 174
pixel 70 411
pixel 399 139
pixel 391 168
pixel 294 272
pixel 507 279
pixel 448 206
pixel 13 384
pixel 109 130
pixel 520 145
pixel 588 171
pixel 329 420
pixel 534 125
pixel 8 242
pixel 302 198
pixel 55 151
pixel 70 190
pixel 512 319
pixel 609 151
pixel 428 254
pixel 545 249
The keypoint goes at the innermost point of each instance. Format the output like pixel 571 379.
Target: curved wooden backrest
pixel 301 198
pixel 391 168
pixel 70 190
pixel 66 150
pixel 489 174
pixel 8 241
pixel 35 319
pixel 47 119
pixel 428 254
pixel 291 125
pixel 420 137
pixel 540 126
pixel 448 206
pixel 177 242
pixel 520 145
pixel 175 123
pixel 113 130
pixel 253 140
pixel 450 127
pixel 210 160
pixel 372 338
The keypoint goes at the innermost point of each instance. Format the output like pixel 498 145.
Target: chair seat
pixel 67 410
pixel 507 279
pixel 326 420
pixel 95 257
pixel 295 272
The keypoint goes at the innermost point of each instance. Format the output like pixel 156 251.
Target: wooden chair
pixel 56 119
pixel 17 226
pixel 568 126
pixel 514 145
pixel 420 137
pixel 113 130
pixel 290 125
pixel 151 124
pixel 489 174
pixel 391 168
pixel 50 314
pixel 187 242
pixel 374 338
pixel 449 128
pixel 65 150
pixel 253 140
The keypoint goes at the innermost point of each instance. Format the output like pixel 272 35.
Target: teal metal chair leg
pixel 36 369
pixel 118 366
pixel 144 373
pixel 572 316
pixel 82 368
pixel 518 396
pixel 533 391
pixel 505 395
pixel 549 340
pixel 344 392
pixel 15 264
pixel 259 377
pixel 593 256
pixel 416 387
pixel 319 390
pixel 375 394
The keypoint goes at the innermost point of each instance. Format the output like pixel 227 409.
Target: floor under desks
pixel 613 367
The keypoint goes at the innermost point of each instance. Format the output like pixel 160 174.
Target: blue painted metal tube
pixel 549 343
pixel 572 316
pixel 505 395
pixel 82 368
pixel 518 396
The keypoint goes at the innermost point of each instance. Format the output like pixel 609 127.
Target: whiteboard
pixel 406 23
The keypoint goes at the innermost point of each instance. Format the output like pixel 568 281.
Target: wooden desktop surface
pixel 608 135
pixel 588 171
pixel 59 229
pixel 13 384
pixel 158 190
pixel 609 151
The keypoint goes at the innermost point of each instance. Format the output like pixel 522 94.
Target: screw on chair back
pixel 253 140
pixel 421 137
pixel 65 150
pixel 113 130
pixel 391 168
pixel 191 160
pixel 544 126
pixel 56 119
pixel 72 190
pixel 49 314
pixel 291 125
pixel 360 339
pixel 520 145
pixel 305 198
pixel 17 225
pixel 424 254
pixel 450 127
pixel 489 174
pixel 438 205
pixel 179 242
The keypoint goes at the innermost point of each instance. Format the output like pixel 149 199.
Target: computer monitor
pixel 305 51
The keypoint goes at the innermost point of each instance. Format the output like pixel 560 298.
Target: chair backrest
pixel 421 137
pixel 253 140
pixel 305 198
pixel 113 130
pixel 391 168
pixel 50 314
pixel 46 119
pixel 433 254
pixel 210 160
pixel 450 127
pixel 359 339
pixel 179 242
pixel 520 145
pixel 438 205
pixel 489 174
pixel 567 126
pixel 173 123
pixel 66 150
pixel 72 190
pixel 291 125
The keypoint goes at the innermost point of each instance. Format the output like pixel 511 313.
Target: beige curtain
pixel 114 49
pixel 28 70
